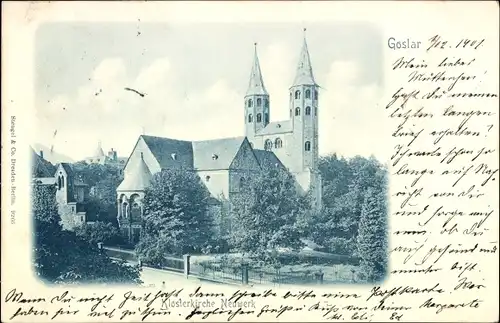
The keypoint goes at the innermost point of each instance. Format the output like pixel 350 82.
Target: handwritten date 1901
pixel 439 43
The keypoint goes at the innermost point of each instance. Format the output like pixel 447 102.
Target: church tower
pixel 304 113
pixel 256 101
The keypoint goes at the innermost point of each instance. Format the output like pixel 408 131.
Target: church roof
pixel 256 84
pixel 198 155
pixel 136 179
pixel 41 167
pixel 304 74
pixel 215 154
pixel 277 127
pixel 267 159
pixel 163 148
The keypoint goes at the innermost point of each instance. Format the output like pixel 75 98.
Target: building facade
pixel 224 165
pixel 70 192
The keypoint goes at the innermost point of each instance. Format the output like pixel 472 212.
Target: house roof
pixel 41 167
pixel 46 180
pixel 267 159
pixel 277 127
pixel 163 148
pixel 67 168
pixel 215 154
pixel 137 179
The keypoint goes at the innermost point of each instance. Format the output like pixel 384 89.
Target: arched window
pixel 266 118
pixel 290 113
pixel 307 146
pixel 315 94
pixel 250 103
pixel 259 102
pixel 259 117
pixel 315 111
pixel 62 181
pixel 278 143
pixel 242 183
pixel 291 96
pixel 59 182
pixel 308 94
pixel 266 103
pixel 297 95
pixel 268 145
pixel 308 111
pixel 250 118
pixel 297 111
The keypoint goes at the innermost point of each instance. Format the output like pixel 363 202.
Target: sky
pixel 195 77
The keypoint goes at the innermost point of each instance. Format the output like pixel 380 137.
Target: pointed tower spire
pixel 99 151
pixel 256 84
pixel 304 74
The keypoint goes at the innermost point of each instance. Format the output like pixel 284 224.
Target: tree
pixel 176 218
pixel 62 257
pixel 103 181
pixel 265 215
pixel 372 236
pixel 345 182
pixel 97 232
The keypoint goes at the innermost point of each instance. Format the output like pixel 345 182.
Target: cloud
pixel 350 122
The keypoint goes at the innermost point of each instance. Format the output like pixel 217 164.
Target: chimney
pixel 41 153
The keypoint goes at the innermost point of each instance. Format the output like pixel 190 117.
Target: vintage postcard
pixel 250 161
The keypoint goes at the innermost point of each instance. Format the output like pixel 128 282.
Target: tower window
pixel 297 111
pixel 250 103
pixel 278 143
pixel 315 111
pixel 242 183
pixel 308 111
pixel 59 183
pixel 250 118
pixel 259 117
pixel 290 113
pixel 297 95
pixel 207 178
pixel 266 118
pixel 308 94
pixel 307 146
pixel 259 102
pixel 315 94
pixel 268 145
pixel 266 103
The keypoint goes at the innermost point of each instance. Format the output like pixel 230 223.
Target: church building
pixel 224 165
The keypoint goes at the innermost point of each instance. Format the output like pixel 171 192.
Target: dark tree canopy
pixel 266 215
pixel 176 218
pixel 62 257
pixel 372 236
pixel 102 180
pixel 345 183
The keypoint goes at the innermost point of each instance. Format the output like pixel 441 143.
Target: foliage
pixel 99 231
pixel 103 180
pixel 176 218
pixel 372 237
pixel 345 182
pixel 62 257
pixel 266 215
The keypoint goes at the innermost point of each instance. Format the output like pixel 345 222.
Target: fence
pixel 167 263
pixel 242 273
